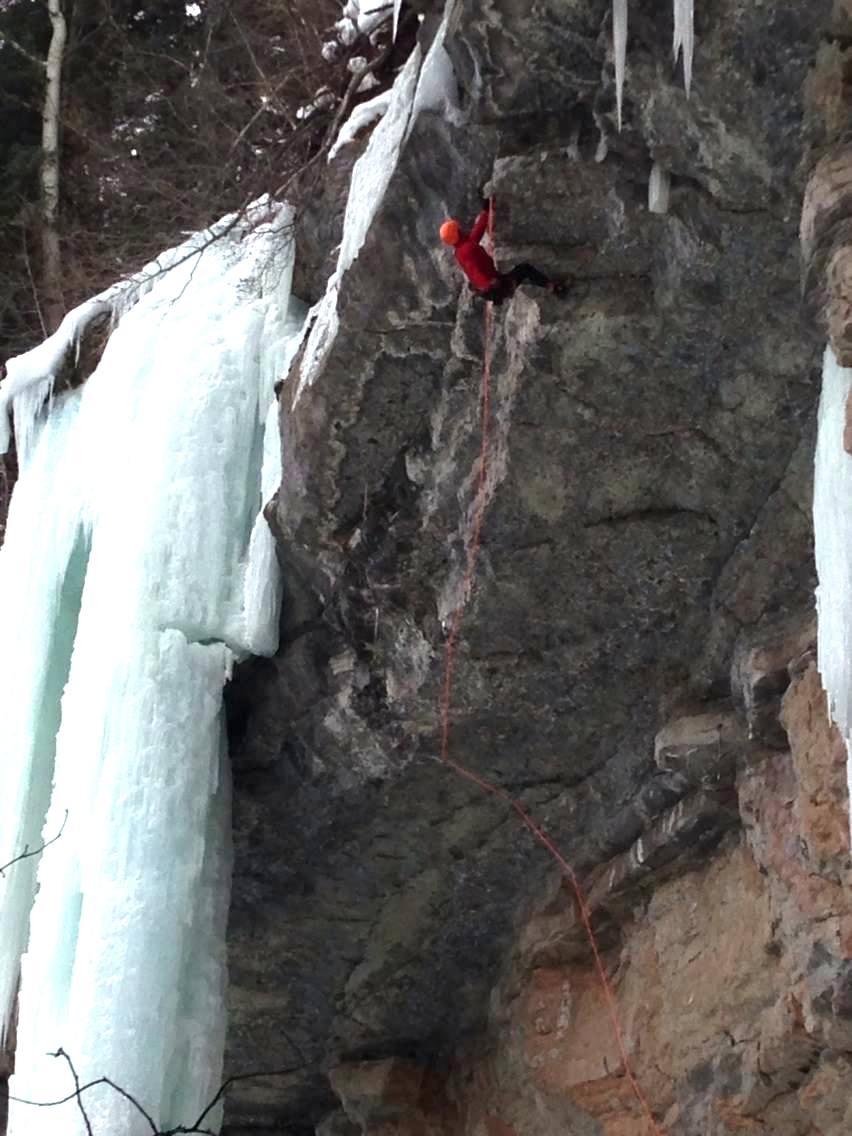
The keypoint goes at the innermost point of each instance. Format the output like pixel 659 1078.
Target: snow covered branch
pixel 335 136
pixel 31 378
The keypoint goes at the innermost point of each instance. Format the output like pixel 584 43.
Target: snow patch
pixel 361 117
pixel 437 88
pixel 371 175
pixel 372 13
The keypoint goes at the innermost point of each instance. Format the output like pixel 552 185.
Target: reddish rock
pixel 731 976
pixel 700 745
pixel 731 981
pixel 826 243
pixel 826 1095
pixel 761 670
pixel 497 1127
pixel 392 1097
pixel 819 761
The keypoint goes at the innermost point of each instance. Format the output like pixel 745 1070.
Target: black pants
pixel 508 281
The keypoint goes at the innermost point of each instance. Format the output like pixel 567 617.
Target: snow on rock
pixel 136 567
pixel 322 323
pixel 347 31
pixel 372 13
pixel 363 17
pixel 30 377
pixel 361 117
pixel 437 89
pixel 430 86
pixel 370 177
pixel 833 547
pixel 422 85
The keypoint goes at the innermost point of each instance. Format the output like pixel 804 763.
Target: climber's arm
pixel 479 227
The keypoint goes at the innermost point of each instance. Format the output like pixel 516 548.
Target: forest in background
pixel 127 124
pixel 170 115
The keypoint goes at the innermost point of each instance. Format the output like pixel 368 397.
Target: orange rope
pixel 487 786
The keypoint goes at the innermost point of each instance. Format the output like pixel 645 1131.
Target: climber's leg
pixel 502 290
pixel 525 273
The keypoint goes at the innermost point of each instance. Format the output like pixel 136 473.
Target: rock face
pixel 642 597
pixel 731 976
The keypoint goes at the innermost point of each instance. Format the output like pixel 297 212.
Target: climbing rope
pixel 487 786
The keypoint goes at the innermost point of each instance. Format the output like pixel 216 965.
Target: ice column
pixel 137 565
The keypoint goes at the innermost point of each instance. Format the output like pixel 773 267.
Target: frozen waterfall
pixel 833 547
pixel 137 565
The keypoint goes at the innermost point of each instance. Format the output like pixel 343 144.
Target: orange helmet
pixel 450 232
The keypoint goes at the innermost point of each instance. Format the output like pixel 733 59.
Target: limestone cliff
pixel 636 660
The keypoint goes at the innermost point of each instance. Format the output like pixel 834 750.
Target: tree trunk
pixel 51 252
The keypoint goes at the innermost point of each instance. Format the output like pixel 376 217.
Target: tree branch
pixel 342 111
pixel 78 1093
pixel 37 303
pixel 178 1130
pixel 61 1053
pixel 21 50
pixel 223 1088
pixel 27 852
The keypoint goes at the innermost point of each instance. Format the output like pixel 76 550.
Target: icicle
pixel 619 50
pixel 833 547
pixel 658 189
pixel 573 147
pixel 684 37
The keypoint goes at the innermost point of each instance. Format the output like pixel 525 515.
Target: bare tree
pixel 51 249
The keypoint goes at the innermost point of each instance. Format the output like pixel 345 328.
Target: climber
pixel 480 269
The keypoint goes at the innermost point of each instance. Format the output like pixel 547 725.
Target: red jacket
pixel 474 261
